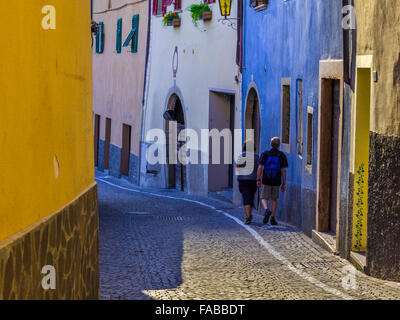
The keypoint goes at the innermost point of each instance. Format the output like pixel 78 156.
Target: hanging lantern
pixel 225 7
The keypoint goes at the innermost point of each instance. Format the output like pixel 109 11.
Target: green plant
pixel 197 10
pixel 360 205
pixel 169 17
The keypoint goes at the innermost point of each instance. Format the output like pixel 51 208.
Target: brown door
pixel 171 166
pixel 107 144
pixel 96 139
pixel 180 169
pixel 335 155
pixel 219 118
pixel 126 149
pixel 329 155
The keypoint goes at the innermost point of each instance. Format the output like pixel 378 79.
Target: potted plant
pixel 171 19
pixel 200 11
pixel 207 15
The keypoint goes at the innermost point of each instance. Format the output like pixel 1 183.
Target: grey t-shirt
pixel 241 172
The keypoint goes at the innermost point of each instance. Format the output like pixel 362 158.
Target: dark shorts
pixel 248 189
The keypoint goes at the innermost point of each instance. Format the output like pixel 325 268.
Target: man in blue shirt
pixel 272 168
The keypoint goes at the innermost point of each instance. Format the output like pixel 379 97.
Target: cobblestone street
pixel 164 244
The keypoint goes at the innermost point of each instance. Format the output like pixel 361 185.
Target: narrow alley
pixel 164 244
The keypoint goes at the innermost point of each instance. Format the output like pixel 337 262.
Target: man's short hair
pixel 275 142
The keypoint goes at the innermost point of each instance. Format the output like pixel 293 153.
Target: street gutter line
pixel 256 236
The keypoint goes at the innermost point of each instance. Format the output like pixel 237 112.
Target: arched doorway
pixel 174 118
pixel 252 117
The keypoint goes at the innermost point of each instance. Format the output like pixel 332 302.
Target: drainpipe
pixel 349 62
pixel 144 100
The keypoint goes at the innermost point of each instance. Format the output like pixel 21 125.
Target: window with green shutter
pixel 100 39
pixel 133 36
pixel 119 36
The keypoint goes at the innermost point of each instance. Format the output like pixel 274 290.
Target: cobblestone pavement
pixel 154 245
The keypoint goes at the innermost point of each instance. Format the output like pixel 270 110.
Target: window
pixel 310 136
pixel 178 4
pixel 285 134
pixel 259 4
pixel 299 104
pixel 160 6
pixel 157 7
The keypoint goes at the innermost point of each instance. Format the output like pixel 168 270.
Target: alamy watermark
pixel 349 18
pixel 195 148
pixel 49 19
pixel 49 280
pixel 349 280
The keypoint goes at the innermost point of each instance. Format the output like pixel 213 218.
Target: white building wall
pixel 206 60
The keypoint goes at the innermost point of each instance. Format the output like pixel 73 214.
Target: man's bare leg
pixel 248 210
pixel 274 206
pixel 265 204
pixel 267 211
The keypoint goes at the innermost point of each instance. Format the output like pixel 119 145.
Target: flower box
pixel 206 15
pixel 176 23
pixel 171 19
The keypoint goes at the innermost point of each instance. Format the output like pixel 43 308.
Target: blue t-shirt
pixel 275 161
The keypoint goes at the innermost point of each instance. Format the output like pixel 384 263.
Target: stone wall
pixel 67 240
pixel 115 162
pixel 383 254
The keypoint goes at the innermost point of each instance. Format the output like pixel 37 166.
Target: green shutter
pixel 133 35
pixel 100 39
pixel 119 35
pixel 135 25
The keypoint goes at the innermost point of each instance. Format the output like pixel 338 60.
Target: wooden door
pixel 96 139
pixel 126 149
pixel 107 144
pixel 180 169
pixel 335 155
pixel 328 164
pixel 220 119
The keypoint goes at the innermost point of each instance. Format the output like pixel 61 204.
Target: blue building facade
pixel 284 42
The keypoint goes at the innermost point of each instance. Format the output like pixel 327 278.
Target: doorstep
pixel 359 260
pixel 325 240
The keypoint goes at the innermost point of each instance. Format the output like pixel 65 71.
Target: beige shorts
pixel 270 192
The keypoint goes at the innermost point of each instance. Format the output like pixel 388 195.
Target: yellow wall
pixel 46 110
pixel 378 34
pixel 361 161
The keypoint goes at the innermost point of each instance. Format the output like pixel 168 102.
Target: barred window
pixel 286 114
